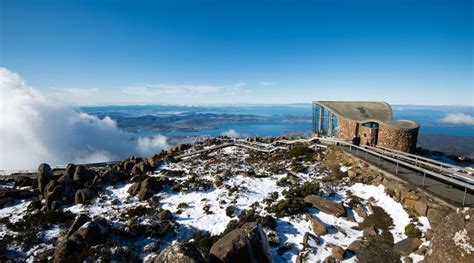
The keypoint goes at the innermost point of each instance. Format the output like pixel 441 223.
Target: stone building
pixel 372 121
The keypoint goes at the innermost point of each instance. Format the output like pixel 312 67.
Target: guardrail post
pixel 464 197
pixel 379 159
pixel 396 169
pixel 366 154
pixel 424 176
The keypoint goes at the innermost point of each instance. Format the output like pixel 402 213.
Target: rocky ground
pixel 229 205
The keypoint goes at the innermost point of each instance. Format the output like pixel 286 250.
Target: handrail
pixel 424 158
pixel 451 179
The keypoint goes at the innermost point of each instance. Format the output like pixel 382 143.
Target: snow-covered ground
pixel 205 209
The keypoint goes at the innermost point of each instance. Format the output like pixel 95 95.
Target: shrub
pixel 288 207
pixel 412 231
pixel 303 190
pixel 300 150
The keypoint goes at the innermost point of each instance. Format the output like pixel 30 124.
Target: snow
pixel 16 211
pixel 393 208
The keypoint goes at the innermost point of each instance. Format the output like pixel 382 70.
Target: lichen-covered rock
pixel 453 238
pixel 44 176
pixel 337 252
pixel 78 222
pixel 326 206
pixel 318 227
pixel 246 244
pixel 83 195
pixel 179 253
pixel 406 246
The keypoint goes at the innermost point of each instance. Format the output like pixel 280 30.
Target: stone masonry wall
pixel 401 140
pixel 345 129
pixel 368 136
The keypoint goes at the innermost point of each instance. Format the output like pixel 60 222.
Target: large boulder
pixel 179 253
pixel 326 206
pixel 83 195
pixel 70 250
pixel 148 188
pixel 374 249
pixel 453 238
pixel 70 170
pixel 44 176
pixel 246 244
pixel 92 232
pixel 318 227
pixel 406 246
pixel 141 168
pixel 82 174
pixel 78 222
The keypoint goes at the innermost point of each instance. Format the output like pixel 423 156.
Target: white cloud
pixel 266 83
pixel 171 91
pixel 232 133
pixel 458 118
pixel 240 84
pixel 35 129
pixel 77 92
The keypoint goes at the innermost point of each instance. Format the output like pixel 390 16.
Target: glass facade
pixel 324 121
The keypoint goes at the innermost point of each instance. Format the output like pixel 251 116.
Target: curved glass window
pixel 371 125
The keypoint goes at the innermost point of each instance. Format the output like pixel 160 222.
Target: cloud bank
pixel 36 129
pixel 458 119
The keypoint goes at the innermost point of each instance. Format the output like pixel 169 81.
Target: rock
pixel 165 215
pixel 293 179
pixel 374 250
pixel 310 240
pixel 246 244
pixel 70 170
pixel 148 187
pixel 330 259
pixel 141 168
pixel 83 195
pixel 435 215
pixel 326 206
pixel 128 166
pixel 78 222
pixel 44 176
pixel 273 239
pixel 68 250
pixel 421 208
pixel 453 238
pixel 352 174
pixel 180 253
pixel 360 211
pixel 356 245
pixel 133 189
pixel 369 231
pixel 92 233
pixel 337 252
pixel 318 227
pixel 406 246
pixel 81 174
pixel 218 181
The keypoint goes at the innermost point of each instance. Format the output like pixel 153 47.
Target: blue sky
pixel 207 52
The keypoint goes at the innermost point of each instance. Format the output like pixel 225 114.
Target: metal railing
pixel 449 175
